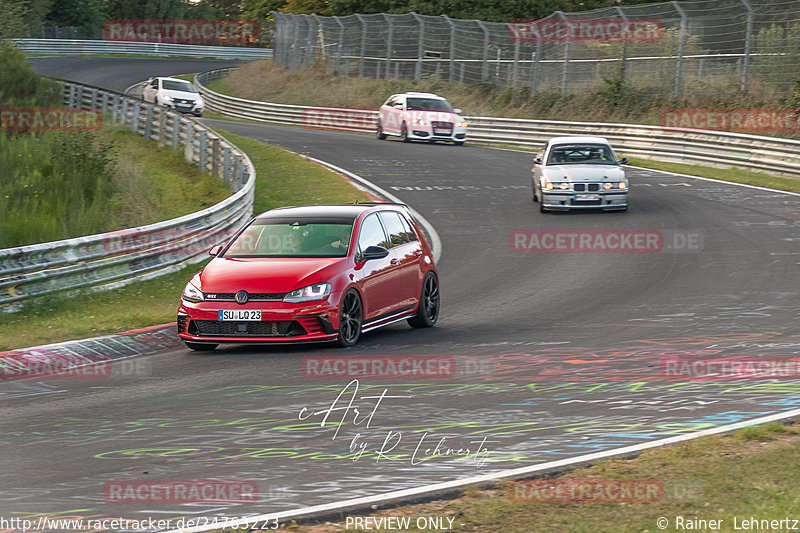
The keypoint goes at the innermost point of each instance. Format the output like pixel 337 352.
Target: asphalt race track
pixel 552 353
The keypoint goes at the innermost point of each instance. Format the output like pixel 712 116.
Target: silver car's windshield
pixel 298 238
pixel 581 154
pixel 173 85
pixel 428 104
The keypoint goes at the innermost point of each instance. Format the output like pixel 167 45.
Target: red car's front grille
pixel 264 328
pixel 223 296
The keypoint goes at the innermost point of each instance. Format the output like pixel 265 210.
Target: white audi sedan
pixel 421 117
pixel 579 173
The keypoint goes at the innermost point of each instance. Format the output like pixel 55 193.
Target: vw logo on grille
pixel 241 297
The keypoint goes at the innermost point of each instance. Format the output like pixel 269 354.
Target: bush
pixel 20 86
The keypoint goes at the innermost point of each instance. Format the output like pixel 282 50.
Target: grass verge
pixel 61 185
pixel 739 476
pixel 732 174
pixel 283 179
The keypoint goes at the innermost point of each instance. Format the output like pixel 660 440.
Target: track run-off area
pixel 546 352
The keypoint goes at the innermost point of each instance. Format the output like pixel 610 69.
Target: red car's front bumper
pixel 280 322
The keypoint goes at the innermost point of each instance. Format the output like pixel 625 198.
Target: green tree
pixel 12 19
pixel 86 15
pixel 19 83
pixel 149 9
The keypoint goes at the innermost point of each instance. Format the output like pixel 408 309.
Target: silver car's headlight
pixel 563 185
pixel 192 293
pixel 317 291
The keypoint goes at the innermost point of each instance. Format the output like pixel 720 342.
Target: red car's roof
pixel 345 210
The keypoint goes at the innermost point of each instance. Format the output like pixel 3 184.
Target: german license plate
pixel 239 314
pixel 439 131
pixel 580 197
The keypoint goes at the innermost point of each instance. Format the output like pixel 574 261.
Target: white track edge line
pixel 517 472
pixel 436 242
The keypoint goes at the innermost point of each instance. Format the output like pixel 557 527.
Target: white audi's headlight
pixel 192 293
pixel 462 124
pixel 317 291
pixel 419 122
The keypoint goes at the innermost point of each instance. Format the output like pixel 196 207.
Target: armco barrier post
pixel 202 151
pixel 135 120
pixel 176 133
pixel 188 152
pixel 148 123
pixel 215 157
pixel 226 166
pixel 124 118
pixel 162 127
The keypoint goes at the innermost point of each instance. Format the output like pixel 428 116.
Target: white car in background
pixel 174 93
pixel 579 173
pixel 421 117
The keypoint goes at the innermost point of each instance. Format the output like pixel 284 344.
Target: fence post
pixel 452 46
pixel 747 46
pixel 515 71
pixel 363 44
pixel 565 72
pixel 623 65
pixel 485 67
pixel 681 44
pixel 341 44
pixel 537 66
pixel 389 45
pixel 420 47
pixel 308 59
pixel 294 63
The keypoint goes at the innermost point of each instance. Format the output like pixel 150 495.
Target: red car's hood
pixel 266 275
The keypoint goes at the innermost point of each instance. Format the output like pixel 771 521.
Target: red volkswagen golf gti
pixel 316 273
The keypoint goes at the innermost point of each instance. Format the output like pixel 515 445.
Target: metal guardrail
pixel 111 259
pixel 704 147
pixel 89 47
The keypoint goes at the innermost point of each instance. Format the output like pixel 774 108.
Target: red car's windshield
pixel 277 238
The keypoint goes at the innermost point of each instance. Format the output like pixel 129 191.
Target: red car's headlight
pixel 318 291
pixel 191 293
